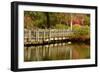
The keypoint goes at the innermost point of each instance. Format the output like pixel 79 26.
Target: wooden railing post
pixel 44 35
pixel 37 35
pixel 29 36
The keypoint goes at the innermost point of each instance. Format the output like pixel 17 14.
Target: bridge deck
pixel 42 35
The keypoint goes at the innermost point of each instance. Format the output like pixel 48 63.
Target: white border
pixel 22 64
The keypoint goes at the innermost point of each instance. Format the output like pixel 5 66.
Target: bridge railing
pixel 40 35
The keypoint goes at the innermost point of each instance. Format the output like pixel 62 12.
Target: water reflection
pixel 61 51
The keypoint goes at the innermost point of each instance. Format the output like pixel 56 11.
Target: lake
pixel 57 51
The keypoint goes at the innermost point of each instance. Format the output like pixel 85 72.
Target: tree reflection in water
pixel 61 51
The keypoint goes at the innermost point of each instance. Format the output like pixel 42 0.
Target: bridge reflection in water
pixel 60 51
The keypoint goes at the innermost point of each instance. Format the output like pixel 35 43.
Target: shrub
pixel 81 31
pixel 61 26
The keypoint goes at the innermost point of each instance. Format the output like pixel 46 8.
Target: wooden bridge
pixel 46 35
pixel 40 36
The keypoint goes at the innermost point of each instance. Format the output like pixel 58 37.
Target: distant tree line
pixel 48 20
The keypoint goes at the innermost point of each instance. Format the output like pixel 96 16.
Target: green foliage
pixel 81 31
pixel 34 19
pixel 87 20
pixel 42 20
pixel 61 26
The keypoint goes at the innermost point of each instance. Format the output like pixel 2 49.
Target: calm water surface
pixel 61 51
